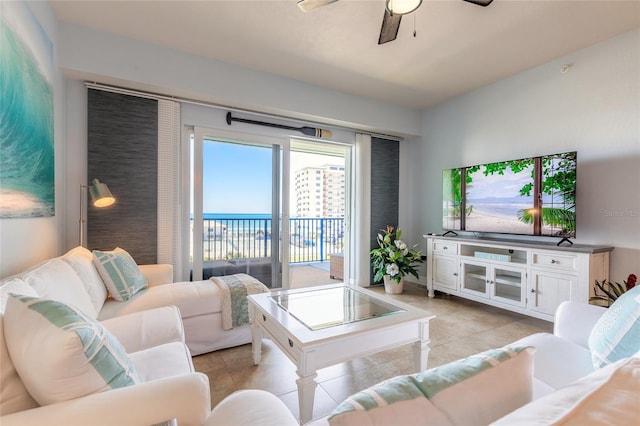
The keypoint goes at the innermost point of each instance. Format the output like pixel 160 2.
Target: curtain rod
pixel 158 96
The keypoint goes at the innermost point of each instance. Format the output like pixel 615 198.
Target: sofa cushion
pixel 81 260
pixel 146 329
pixel 166 360
pixel 251 407
pixel 120 273
pixel 56 280
pixel 192 298
pixel 607 396
pixel 558 361
pixel 60 353
pixel 14 285
pixel 14 396
pixel 616 335
pixel 476 390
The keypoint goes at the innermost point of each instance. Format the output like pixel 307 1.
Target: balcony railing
pixel 311 240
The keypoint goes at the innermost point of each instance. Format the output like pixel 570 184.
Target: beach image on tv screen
pixel 498 194
pixel 531 196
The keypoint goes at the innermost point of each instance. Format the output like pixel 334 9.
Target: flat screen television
pixel 529 196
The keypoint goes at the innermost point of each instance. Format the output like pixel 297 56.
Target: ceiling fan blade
pixel 390 26
pixel 483 3
pixel 307 5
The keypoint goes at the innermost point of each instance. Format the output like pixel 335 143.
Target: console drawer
pixel 278 336
pixel 445 247
pixel 554 261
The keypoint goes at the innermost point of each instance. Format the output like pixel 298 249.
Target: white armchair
pixel 171 389
pixel 574 321
pixel 185 398
pixel 563 357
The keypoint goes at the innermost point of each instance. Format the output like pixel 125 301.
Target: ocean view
pixel 231 216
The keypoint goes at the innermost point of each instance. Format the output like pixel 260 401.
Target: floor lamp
pixel 100 197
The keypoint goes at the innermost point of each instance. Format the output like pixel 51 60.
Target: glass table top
pixel 318 309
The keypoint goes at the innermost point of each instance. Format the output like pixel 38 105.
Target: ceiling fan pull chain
pixel 414 25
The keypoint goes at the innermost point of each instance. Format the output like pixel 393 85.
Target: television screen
pixel 530 196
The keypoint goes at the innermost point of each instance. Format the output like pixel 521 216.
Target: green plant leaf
pixel 616 288
pixel 610 295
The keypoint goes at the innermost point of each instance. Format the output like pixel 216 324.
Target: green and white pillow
pixel 475 390
pixel 61 353
pixel 616 335
pixel 120 273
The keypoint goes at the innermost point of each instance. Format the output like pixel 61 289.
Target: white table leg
pixel 256 343
pixel 306 395
pixel 420 355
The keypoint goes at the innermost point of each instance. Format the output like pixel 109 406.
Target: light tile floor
pixel 461 328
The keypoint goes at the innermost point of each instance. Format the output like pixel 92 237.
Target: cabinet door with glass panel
pixel 501 283
pixel 507 284
pixel 474 278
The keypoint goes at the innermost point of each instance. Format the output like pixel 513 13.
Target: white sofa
pixel 563 387
pixel 154 342
pixel 74 280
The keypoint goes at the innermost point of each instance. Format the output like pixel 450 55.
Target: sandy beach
pixel 487 223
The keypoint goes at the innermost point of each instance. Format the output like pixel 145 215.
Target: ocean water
pixel 245 222
pixel 214 216
pixel 27 179
pixel 256 223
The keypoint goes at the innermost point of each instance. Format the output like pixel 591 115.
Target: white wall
pixel 106 58
pixel 24 242
pixel 594 109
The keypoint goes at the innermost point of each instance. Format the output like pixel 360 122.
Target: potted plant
pixel 392 260
pixel 608 291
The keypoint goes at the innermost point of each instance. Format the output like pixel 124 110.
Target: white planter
pixel 391 286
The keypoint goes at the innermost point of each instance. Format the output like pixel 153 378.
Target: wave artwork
pixel 27 169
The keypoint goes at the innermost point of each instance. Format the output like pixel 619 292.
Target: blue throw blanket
pixel 235 289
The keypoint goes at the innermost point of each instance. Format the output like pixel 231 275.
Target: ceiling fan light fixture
pixel 402 7
pixel 307 5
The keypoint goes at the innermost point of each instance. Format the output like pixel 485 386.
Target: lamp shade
pixel 100 194
pixel 402 7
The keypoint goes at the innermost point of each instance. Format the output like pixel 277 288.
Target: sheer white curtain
pixel 170 242
pixel 362 211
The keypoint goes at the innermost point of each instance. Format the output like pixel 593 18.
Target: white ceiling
pixel 459 46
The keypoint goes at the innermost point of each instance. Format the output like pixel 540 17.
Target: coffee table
pixel 325 325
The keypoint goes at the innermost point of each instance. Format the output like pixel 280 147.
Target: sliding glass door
pixel 319 192
pixel 237 208
pixel 276 209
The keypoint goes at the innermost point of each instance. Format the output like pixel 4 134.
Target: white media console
pixel 526 277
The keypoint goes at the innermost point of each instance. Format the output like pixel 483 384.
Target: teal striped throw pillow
pixel 120 273
pixel 616 335
pixel 62 354
pixel 475 390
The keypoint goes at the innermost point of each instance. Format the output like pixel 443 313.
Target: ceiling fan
pixel 392 13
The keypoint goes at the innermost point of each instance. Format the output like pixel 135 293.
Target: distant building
pixel 320 191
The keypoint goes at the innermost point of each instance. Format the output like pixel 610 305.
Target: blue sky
pixel 237 178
